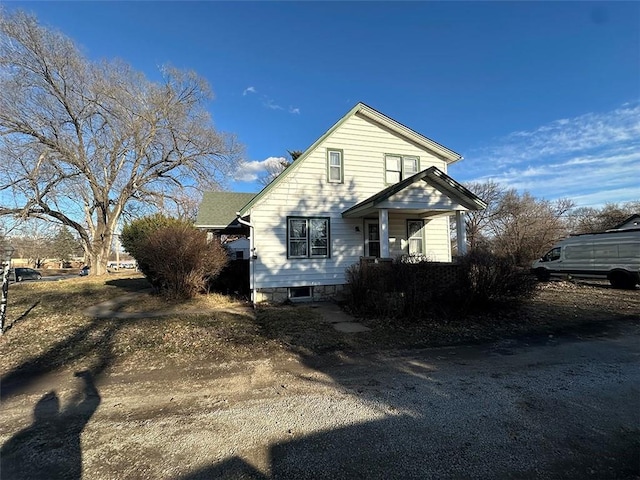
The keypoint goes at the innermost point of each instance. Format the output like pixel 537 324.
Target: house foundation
pixel 313 293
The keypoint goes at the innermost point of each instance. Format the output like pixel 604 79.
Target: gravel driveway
pixel 536 408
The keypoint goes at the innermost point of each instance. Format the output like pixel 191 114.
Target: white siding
pixel 239 245
pixel 436 234
pixel 415 196
pixel 305 192
pixel 438 239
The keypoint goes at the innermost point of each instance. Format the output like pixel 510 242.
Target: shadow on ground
pixel 430 424
pixel 50 447
pixel 129 284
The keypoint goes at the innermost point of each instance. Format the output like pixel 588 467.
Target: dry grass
pixel 302 329
pixel 48 330
pixel 582 308
pixel 558 307
pixel 157 303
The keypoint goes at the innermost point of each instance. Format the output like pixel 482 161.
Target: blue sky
pixel 539 96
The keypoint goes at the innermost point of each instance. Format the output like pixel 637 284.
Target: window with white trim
pixel 399 167
pixel 307 237
pixel 415 237
pixel 335 170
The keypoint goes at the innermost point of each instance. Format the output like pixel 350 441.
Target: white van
pixel 614 254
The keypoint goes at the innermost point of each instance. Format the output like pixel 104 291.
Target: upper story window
pixel 307 237
pixel 335 167
pixel 399 167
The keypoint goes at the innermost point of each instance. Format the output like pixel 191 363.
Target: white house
pixel 239 248
pixel 368 187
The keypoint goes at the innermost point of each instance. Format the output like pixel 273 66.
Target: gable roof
pixel 366 111
pixel 432 176
pixel 635 216
pixel 218 209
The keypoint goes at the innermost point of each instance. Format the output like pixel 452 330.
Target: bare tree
pixel 83 143
pixel 523 227
pixel 592 220
pixel 32 241
pixel 275 168
pixel 478 221
pixel 272 169
pixel 515 225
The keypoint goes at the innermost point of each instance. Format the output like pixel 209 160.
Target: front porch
pixel 388 234
pixel 412 216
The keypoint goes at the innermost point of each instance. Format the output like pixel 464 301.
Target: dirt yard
pixel 548 390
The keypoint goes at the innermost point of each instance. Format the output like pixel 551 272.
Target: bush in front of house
pixel 418 289
pixel 488 278
pixel 135 235
pixel 175 257
pixel 182 260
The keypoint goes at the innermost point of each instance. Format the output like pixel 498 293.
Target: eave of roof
pixel 218 209
pixel 441 151
pixel 432 176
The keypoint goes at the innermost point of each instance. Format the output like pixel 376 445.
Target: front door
pixel 372 238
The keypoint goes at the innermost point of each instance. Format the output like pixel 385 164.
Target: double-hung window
pixel 415 237
pixel 307 237
pixel 399 167
pixel 335 168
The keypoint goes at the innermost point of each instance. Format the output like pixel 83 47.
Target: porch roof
pixel 431 176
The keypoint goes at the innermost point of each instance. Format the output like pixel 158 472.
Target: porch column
pixel 383 219
pixel 461 232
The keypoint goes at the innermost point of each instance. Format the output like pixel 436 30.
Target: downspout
pixel 252 258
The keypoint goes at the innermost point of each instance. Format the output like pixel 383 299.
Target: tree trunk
pixel 101 246
pixel 99 257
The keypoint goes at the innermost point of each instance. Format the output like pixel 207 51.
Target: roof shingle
pixel 218 209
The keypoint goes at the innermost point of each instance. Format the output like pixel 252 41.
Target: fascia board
pixel 447 154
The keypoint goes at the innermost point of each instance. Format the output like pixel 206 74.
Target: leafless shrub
pixel 181 261
pixel 414 290
pixel 488 278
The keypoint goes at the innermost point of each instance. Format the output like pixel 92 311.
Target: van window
pixel 578 252
pixel 551 255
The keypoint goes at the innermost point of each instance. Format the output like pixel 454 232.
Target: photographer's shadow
pixel 50 447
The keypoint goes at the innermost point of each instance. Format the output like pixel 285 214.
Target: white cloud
pixel 270 104
pixel 251 171
pixel 591 159
pixel 566 136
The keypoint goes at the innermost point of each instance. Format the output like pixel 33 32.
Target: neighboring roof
pixel 633 217
pixel 218 209
pixel 432 176
pixel 441 151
